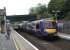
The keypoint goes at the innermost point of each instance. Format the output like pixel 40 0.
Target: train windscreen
pixel 50 25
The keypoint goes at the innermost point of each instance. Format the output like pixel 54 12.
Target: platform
pixel 21 43
pixel 16 42
pixel 64 35
pixel 6 44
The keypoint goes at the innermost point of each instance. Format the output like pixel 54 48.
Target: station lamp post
pixel 3 20
pixel 56 13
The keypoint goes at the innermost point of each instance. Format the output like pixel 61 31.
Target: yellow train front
pixel 50 27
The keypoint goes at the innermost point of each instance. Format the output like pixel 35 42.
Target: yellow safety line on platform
pixel 16 45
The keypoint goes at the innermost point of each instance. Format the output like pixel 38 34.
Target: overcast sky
pixel 20 7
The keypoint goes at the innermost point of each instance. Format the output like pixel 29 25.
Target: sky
pixel 20 7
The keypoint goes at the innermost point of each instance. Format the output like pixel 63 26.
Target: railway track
pixel 43 44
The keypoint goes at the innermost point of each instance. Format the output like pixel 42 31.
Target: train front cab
pixel 50 28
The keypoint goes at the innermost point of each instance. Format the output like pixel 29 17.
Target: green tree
pixel 39 10
pixel 56 5
pixel 67 9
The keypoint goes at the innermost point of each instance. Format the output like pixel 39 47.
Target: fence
pixel 66 28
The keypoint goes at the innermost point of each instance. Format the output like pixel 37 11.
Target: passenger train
pixel 41 28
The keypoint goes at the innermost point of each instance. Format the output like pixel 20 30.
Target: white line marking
pixel 64 36
pixel 27 41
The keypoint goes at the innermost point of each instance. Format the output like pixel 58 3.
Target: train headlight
pixel 50 30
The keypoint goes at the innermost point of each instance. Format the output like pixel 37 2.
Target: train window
pixel 33 24
pixel 50 25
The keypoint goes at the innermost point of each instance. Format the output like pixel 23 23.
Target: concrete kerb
pixel 64 35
